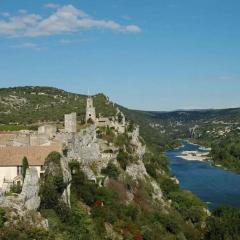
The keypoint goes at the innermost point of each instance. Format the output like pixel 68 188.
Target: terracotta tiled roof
pixel 36 155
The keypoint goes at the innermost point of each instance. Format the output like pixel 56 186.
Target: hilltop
pixel 30 105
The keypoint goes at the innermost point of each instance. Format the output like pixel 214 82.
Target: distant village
pixel 37 145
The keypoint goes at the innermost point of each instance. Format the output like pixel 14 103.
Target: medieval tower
pixel 90 111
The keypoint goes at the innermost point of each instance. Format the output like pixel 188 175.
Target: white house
pixel 11 161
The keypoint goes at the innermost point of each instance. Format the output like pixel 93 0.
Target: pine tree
pixel 25 166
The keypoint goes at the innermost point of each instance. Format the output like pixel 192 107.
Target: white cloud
pixel 22 11
pixel 65 19
pixel 27 45
pixel 17 25
pixel 5 14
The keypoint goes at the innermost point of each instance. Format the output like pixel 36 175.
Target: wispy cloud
pixel 64 19
pixel 51 5
pixel 126 17
pixel 5 14
pixel 70 41
pixel 27 45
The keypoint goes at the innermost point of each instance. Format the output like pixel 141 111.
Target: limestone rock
pixel 137 171
pixel 157 192
pixel 22 207
pixel 67 178
pixel 30 190
pixel 140 147
pixel 84 146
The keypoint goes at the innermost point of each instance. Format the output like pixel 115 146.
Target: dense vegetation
pixel 29 105
pixel 226 152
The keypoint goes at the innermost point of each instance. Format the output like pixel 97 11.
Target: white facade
pixel 8 173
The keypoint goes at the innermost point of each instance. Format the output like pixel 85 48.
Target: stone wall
pixel 71 123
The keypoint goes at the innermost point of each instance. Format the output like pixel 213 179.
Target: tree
pixel 25 166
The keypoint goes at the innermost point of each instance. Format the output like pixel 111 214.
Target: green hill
pixel 29 105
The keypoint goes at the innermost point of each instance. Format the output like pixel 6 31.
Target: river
pixel 213 185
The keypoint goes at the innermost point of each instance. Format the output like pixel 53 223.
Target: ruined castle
pixel 36 145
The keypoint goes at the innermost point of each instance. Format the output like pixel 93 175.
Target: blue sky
pixel 144 54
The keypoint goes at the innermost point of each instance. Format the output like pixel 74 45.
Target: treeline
pixel 226 152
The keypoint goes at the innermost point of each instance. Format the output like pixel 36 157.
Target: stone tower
pixel 90 110
pixel 71 123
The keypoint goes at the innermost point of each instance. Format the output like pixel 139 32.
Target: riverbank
pixel 194 156
pixel 213 184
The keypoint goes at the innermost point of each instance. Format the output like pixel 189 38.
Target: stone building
pixel 90 111
pixel 71 123
pixel 48 130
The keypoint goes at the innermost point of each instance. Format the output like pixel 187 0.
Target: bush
pixel 16 188
pixel 224 224
pixel 2 216
pixel 121 140
pixel 169 221
pixel 151 170
pixel 74 166
pixel 111 171
pixel 53 157
pixel 123 158
pixel 49 195
pixel 168 186
pixel 63 211
pixel 190 207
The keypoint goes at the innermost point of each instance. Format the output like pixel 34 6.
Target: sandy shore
pixel 194 156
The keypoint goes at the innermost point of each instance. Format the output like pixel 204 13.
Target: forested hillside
pixel 29 105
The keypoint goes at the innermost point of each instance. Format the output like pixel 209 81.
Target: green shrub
pixel 224 224
pixel 63 211
pixel 49 195
pixel 2 216
pixel 122 140
pixel 16 188
pixel 123 158
pixel 111 171
pixel 74 166
pixel 151 170
pixel 190 207
pixel 53 157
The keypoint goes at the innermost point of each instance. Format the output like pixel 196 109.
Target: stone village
pixel 83 146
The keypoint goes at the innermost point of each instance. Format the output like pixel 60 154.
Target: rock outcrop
pixel 84 146
pixel 140 147
pixel 137 171
pixel 67 178
pixel 22 207
pixel 30 190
